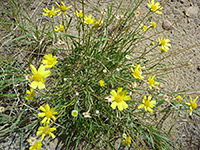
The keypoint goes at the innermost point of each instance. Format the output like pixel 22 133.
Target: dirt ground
pixel 184 33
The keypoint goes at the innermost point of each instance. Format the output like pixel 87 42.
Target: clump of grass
pixel 91 86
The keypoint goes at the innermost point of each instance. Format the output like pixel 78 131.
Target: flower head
pixel 153 43
pixel 39 76
pixel 153 25
pixel 137 72
pixel 128 57
pixel 44 131
pixel 152 82
pixel 31 94
pixel 74 113
pixel 101 82
pixel 104 70
pixel 164 43
pixel 144 27
pixel 36 146
pixel 147 104
pixel 178 99
pixel 89 19
pixel 119 98
pixel 155 7
pixel 98 23
pixel 63 8
pixel 60 29
pixel 49 61
pixel 79 14
pixel 192 104
pixel 124 135
pixel 51 12
pixel 47 113
pixel 127 141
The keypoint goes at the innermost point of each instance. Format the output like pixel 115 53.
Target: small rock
pixel 182 1
pixel 198 4
pixel 192 11
pixel 196 21
pixel 166 25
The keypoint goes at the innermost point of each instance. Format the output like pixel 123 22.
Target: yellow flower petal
pixel 34 84
pixel 124 105
pixel 41 85
pixel 47 108
pixel 41 114
pixel 113 105
pixel 120 106
pixel 140 106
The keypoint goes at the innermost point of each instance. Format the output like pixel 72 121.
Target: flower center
pixel 151 81
pixel 48 114
pixel 154 7
pixel 50 13
pixel 147 103
pixel 137 73
pixel 163 42
pixel 118 98
pixel 32 94
pixel 63 8
pixel 37 77
pixel 89 21
pixel 47 131
pixel 74 113
pixel 51 61
pixel 193 105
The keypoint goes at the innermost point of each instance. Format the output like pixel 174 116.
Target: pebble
pixel 182 1
pixel 192 11
pixel 166 25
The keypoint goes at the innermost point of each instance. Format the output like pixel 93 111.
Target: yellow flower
pixel 178 99
pixel 104 70
pixel 153 43
pixel 101 82
pixel 164 43
pixel 74 113
pixel 36 146
pixel 153 24
pixel 127 141
pixel 147 104
pixel 137 72
pixel 98 23
pixel 89 19
pixel 192 104
pixel 31 94
pixel 45 130
pixel 60 29
pixel 38 77
pixel 79 14
pixel 49 61
pixel 144 27
pixel 119 99
pixel 155 7
pixel 152 82
pixel 47 113
pixel 51 12
pixel 63 8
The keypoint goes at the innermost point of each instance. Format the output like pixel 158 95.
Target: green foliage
pixel 74 82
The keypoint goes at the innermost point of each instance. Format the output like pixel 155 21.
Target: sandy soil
pixel 185 33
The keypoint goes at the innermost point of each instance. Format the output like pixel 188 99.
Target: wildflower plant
pixel 93 81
